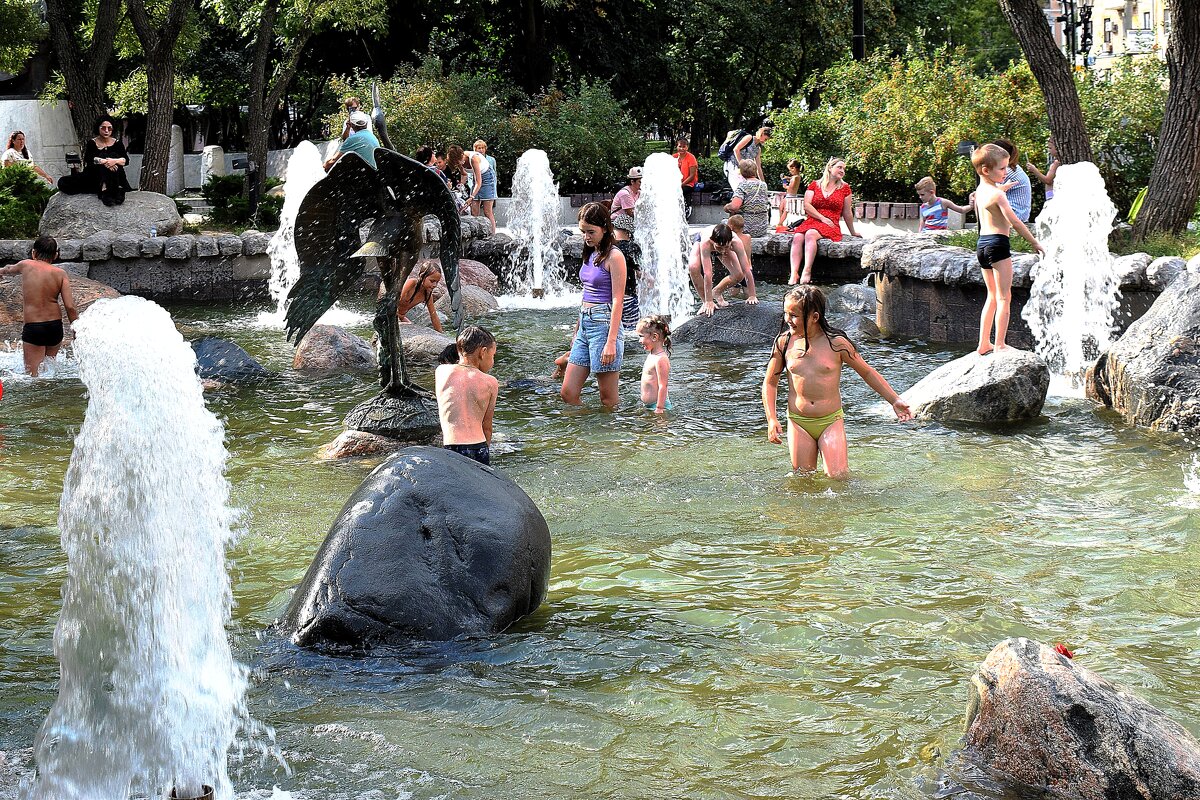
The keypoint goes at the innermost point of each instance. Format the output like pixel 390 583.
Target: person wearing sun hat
pixel 623 205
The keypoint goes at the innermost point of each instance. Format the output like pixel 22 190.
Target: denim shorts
pixel 588 346
pixel 487 186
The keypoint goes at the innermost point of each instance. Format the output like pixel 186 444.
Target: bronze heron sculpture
pixel 391 201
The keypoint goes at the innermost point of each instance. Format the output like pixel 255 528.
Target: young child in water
pixel 812 353
pixel 418 290
pixel 655 334
pixel 466 395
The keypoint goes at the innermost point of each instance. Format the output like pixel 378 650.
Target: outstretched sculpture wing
pixel 327 233
pixel 417 192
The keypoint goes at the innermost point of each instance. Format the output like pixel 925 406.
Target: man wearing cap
pixel 361 141
pixel 623 205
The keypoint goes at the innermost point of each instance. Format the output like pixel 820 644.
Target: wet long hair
pixel 657 323
pixel 12 138
pixel 597 215
pixel 424 270
pixel 809 299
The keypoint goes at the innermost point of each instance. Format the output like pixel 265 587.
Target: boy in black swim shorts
pixel 996 220
pixel 42 284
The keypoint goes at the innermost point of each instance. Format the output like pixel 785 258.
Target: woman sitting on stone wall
pixel 18 153
pixel 104 162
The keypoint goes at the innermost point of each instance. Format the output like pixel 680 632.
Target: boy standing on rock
pixel 42 284
pixel 996 221
pixel 466 394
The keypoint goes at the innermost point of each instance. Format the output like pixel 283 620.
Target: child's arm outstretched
pixel 955 206
pixel 770 391
pixel 662 371
pixel 871 376
pixel 494 389
pixel 1014 220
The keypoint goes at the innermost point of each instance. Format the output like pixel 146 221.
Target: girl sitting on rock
pixel 813 353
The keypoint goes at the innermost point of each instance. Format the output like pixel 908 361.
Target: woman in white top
pixel 483 189
pixel 18 153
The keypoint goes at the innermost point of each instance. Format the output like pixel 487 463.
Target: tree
pixel 158 40
pixel 23 29
pixel 1053 74
pixel 1175 179
pixel 84 71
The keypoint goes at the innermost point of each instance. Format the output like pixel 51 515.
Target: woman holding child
pixel 599 345
pixel 826 203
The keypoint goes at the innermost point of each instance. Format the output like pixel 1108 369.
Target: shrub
pixel 712 172
pixel 225 193
pixel 23 198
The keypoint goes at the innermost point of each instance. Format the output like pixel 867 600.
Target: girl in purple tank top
pixel 598 345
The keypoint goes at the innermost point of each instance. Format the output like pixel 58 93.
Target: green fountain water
pixel 713 628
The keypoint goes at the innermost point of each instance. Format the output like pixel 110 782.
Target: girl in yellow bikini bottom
pixel 815 426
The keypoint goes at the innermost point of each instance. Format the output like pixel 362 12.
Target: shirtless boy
pixel 42 284
pixel 812 354
pixel 724 245
pixel 466 395
pixel 996 220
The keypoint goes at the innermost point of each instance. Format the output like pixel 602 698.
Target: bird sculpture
pixel 390 203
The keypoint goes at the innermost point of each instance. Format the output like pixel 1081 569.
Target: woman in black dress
pixel 104 161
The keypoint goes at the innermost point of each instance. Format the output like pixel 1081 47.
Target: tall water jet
pixel 662 233
pixel 305 168
pixel 534 225
pixel 150 698
pixel 1076 290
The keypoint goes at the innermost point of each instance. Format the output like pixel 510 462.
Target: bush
pixel 712 172
pixel 588 135
pixel 23 198
pixel 226 194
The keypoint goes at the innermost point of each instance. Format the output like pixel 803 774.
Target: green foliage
pixel 969 240
pixel 130 96
pixel 225 193
pixel 23 198
pixel 21 22
pixel 1184 245
pixel 588 135
pixel 712 171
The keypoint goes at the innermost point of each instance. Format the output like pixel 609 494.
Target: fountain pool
pixel 713 629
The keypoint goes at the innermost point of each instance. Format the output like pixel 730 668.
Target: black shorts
pixel 992 247
pixel 479 452
pixel 43 334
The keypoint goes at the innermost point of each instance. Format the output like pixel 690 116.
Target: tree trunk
pixel 1175 180
pixel 1053 74
pixel 84 73
pixel 159 46
pixel 265 96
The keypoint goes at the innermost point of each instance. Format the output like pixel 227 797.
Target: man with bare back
pixel 42 284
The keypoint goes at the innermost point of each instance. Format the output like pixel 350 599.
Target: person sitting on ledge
pixel 826 203
pixel 361 141
pixel 18 153
pixel 104 161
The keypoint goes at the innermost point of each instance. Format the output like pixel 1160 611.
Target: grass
pixel 969 239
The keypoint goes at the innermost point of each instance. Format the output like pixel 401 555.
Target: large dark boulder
pixel 739 325
pixel 223 361
pixel 1003 386
pixel 1151 376
pixel 431 546
pixel 1039 721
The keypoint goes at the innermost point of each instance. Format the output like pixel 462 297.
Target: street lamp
pixel 859 42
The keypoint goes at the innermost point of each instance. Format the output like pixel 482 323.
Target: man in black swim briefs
pixel 42 284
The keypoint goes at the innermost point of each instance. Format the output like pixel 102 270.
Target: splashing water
pixel 661 231
pixel 1076 290
pixel 534 225
pixel 305 168
pixel 149 694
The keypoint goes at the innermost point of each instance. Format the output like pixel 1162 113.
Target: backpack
pixel 725 151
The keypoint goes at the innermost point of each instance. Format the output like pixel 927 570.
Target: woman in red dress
pixel 825 202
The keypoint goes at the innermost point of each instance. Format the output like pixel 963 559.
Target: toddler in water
pixel 812 353
pixel 655 334
pixel 466 394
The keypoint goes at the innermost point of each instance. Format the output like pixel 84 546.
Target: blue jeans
pixel 590 339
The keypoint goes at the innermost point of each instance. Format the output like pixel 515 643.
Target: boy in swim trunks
pixel 719 243
pixel 996 220
pixel 466 395
pixel 812 353
pixel 42 284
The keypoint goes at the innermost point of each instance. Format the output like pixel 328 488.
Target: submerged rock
pixel 852 298
pixel 1002 386
pixel 1041 721
pixel 409 420
pixel 78 216
pixel 12 308
pixel 476 302
pixel 431 546
pixel 1151 376
pixel 358 444
pixel 328 348
pixel 739 325
pixel 422 345
pixel 222 360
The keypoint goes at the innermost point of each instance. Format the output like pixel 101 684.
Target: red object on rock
pixel 1062 650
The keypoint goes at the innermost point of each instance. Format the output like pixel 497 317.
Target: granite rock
pixel 1003 386
pixel 328 349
